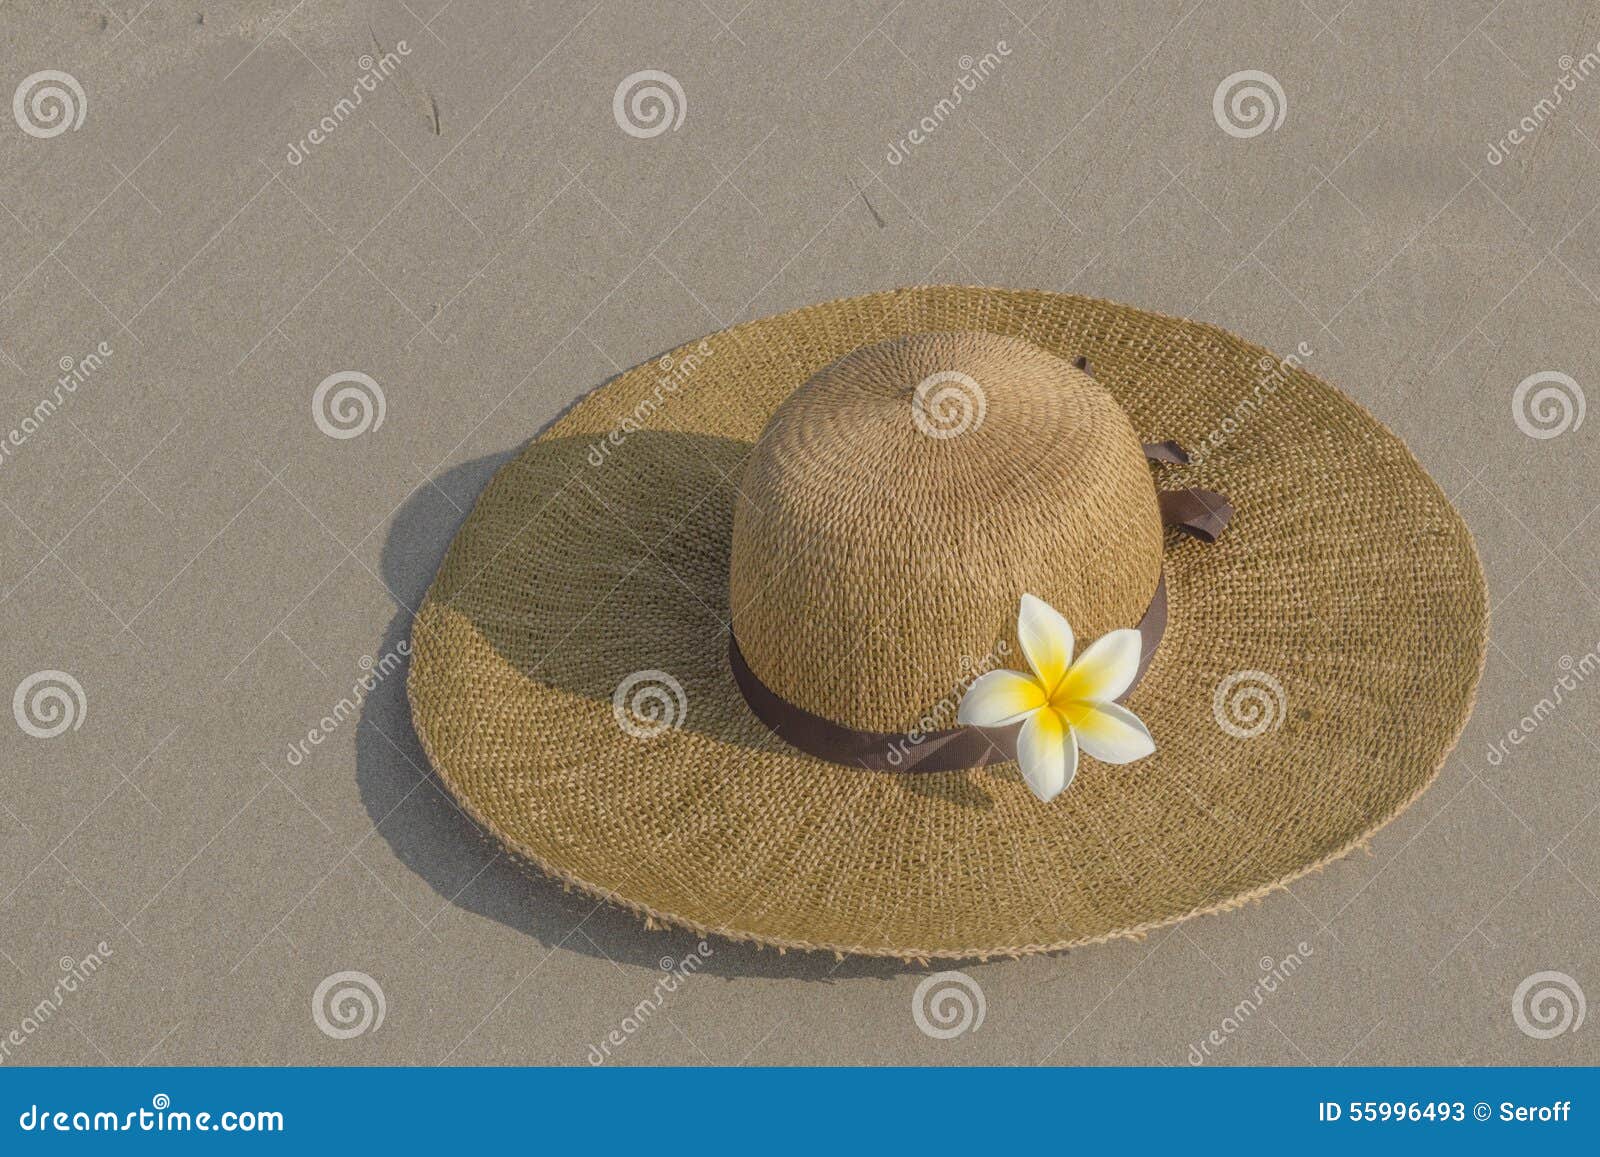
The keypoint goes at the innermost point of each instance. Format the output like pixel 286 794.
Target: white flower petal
pixel 997 698
pixel 1047 754
pixel 1109 732
pixel 1104 671
pixel 1046 640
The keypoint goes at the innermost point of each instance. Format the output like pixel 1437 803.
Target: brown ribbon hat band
pixel 1201 514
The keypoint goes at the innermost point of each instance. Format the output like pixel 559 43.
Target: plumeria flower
pixel 1062 705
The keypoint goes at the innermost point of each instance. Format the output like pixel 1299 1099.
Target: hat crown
pixel 900 503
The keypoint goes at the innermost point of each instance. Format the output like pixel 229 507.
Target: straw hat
pixel 905 625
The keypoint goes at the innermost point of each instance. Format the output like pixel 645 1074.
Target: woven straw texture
pixel 1319 662
pixel 882 539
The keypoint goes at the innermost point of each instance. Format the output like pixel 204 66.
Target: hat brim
pixel 1319 662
